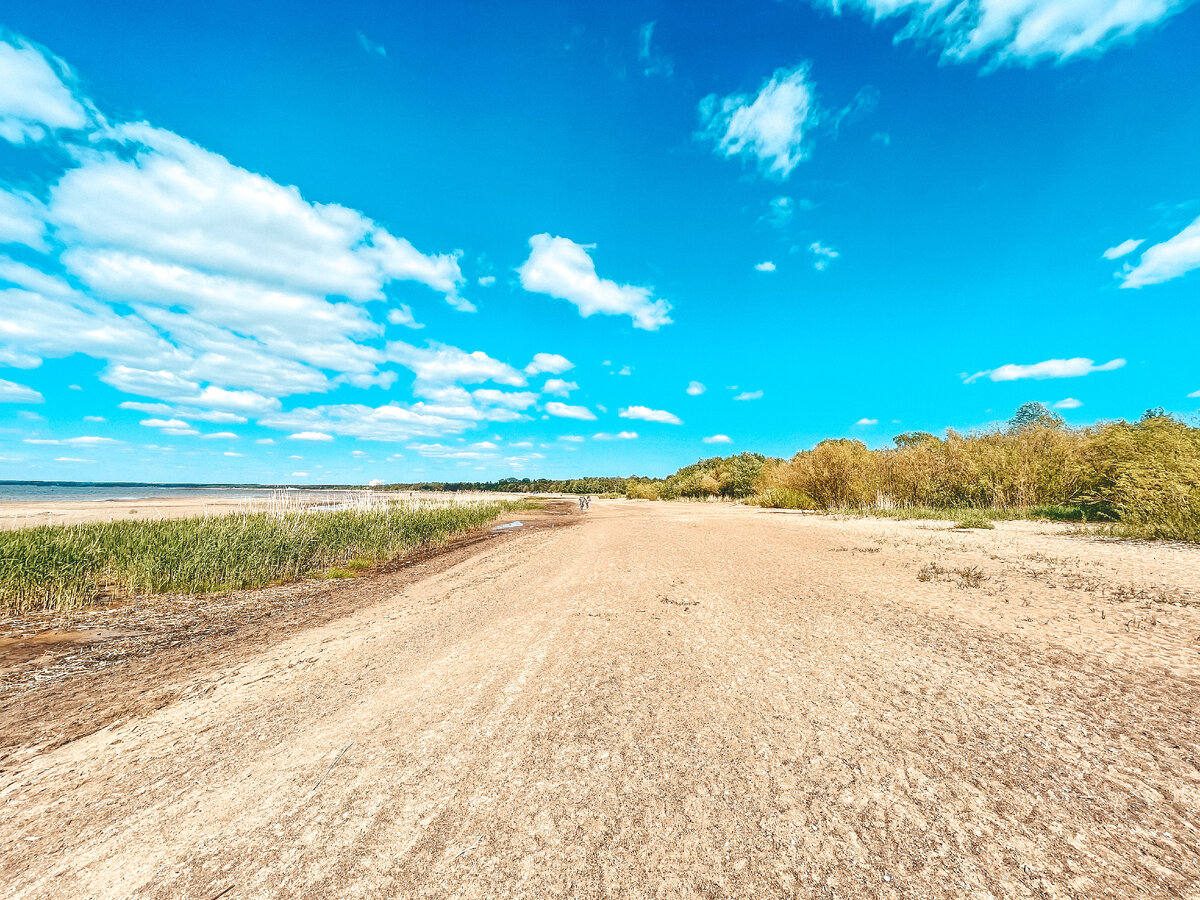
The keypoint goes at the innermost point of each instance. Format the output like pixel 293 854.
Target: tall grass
pixel 66 566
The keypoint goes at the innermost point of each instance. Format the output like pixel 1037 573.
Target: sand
pixel 664 700
pixel 28 513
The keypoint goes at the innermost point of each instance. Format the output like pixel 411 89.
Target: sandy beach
pixel 644 700
pixel 28 513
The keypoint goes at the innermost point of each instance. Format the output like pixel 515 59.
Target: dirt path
pixel 668 701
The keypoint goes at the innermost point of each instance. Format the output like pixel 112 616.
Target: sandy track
pixel 670 701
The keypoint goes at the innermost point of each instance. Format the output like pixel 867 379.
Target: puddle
pixel 505 527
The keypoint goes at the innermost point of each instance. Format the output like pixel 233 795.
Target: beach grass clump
pixel 975 519
pixel 62 567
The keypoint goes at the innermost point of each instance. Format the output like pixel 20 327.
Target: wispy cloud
pixel 865 421
pixel 772 127
pixel 695 388
pixel 370 46
pixel 619 436
pixel 749 395
pixel 1123 249
pixel 1170 259
pixel 1075 367
pixel 561 268
pixel 564 411
pixel 11 392
pixel 824 255
pixel 765 266
pixel 717 439
pixel 1068 403
pixel 647 414
pixel 310 436
pixel 1002 31
pixel 652 60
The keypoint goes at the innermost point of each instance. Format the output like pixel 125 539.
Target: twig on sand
pixel 331 765
pixel 222 893
pixel 468 849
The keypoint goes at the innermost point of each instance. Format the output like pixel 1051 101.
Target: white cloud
pixel 403 315
pixel 164 423
pixel 1050 368
pixel 87 440
pixel 1170 259
pixel 824 255
pixel 370 46
pixel 184 412
pixel 438 365
pixel 695 388
pixel 749 395
pixel 563 411
pixel 451 411
pixel 220 435
pixel 559 388
pixel 506 399
pixel 265 441
pixel 310 436
pixel 1068 403
pixel 717 439
pixel 765 266
pixel 866 421
pixel 647 414
pixel 94 419
pixel 35 96
pixel 72 459
pixel 299 474
pixel 486 280
pixel 561 268
pixel 1123 249
pixel 22 219
pixel 1017 31
pixel 548 364
pixel 619 436
pixel 571 438
pixel 441 451
pixel 197 275
pixel 771 127
pixel 653 61
pixel 779 211
pixel 11 392
pixel 231 453
pixel 1194 394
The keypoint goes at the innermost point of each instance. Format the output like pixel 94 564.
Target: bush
pixel 783 498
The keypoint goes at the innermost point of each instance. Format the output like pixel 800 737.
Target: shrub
pixel 783 498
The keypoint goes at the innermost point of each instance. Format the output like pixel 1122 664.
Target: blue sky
pixel 631 235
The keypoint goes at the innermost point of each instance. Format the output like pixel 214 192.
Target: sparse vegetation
pixel 62 567
pixel 974 519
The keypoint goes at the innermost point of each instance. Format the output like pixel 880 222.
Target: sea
pixel 46 491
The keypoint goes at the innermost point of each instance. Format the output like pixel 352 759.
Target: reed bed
pixel 63 567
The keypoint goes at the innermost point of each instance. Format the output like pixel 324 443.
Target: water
pixel 47 491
